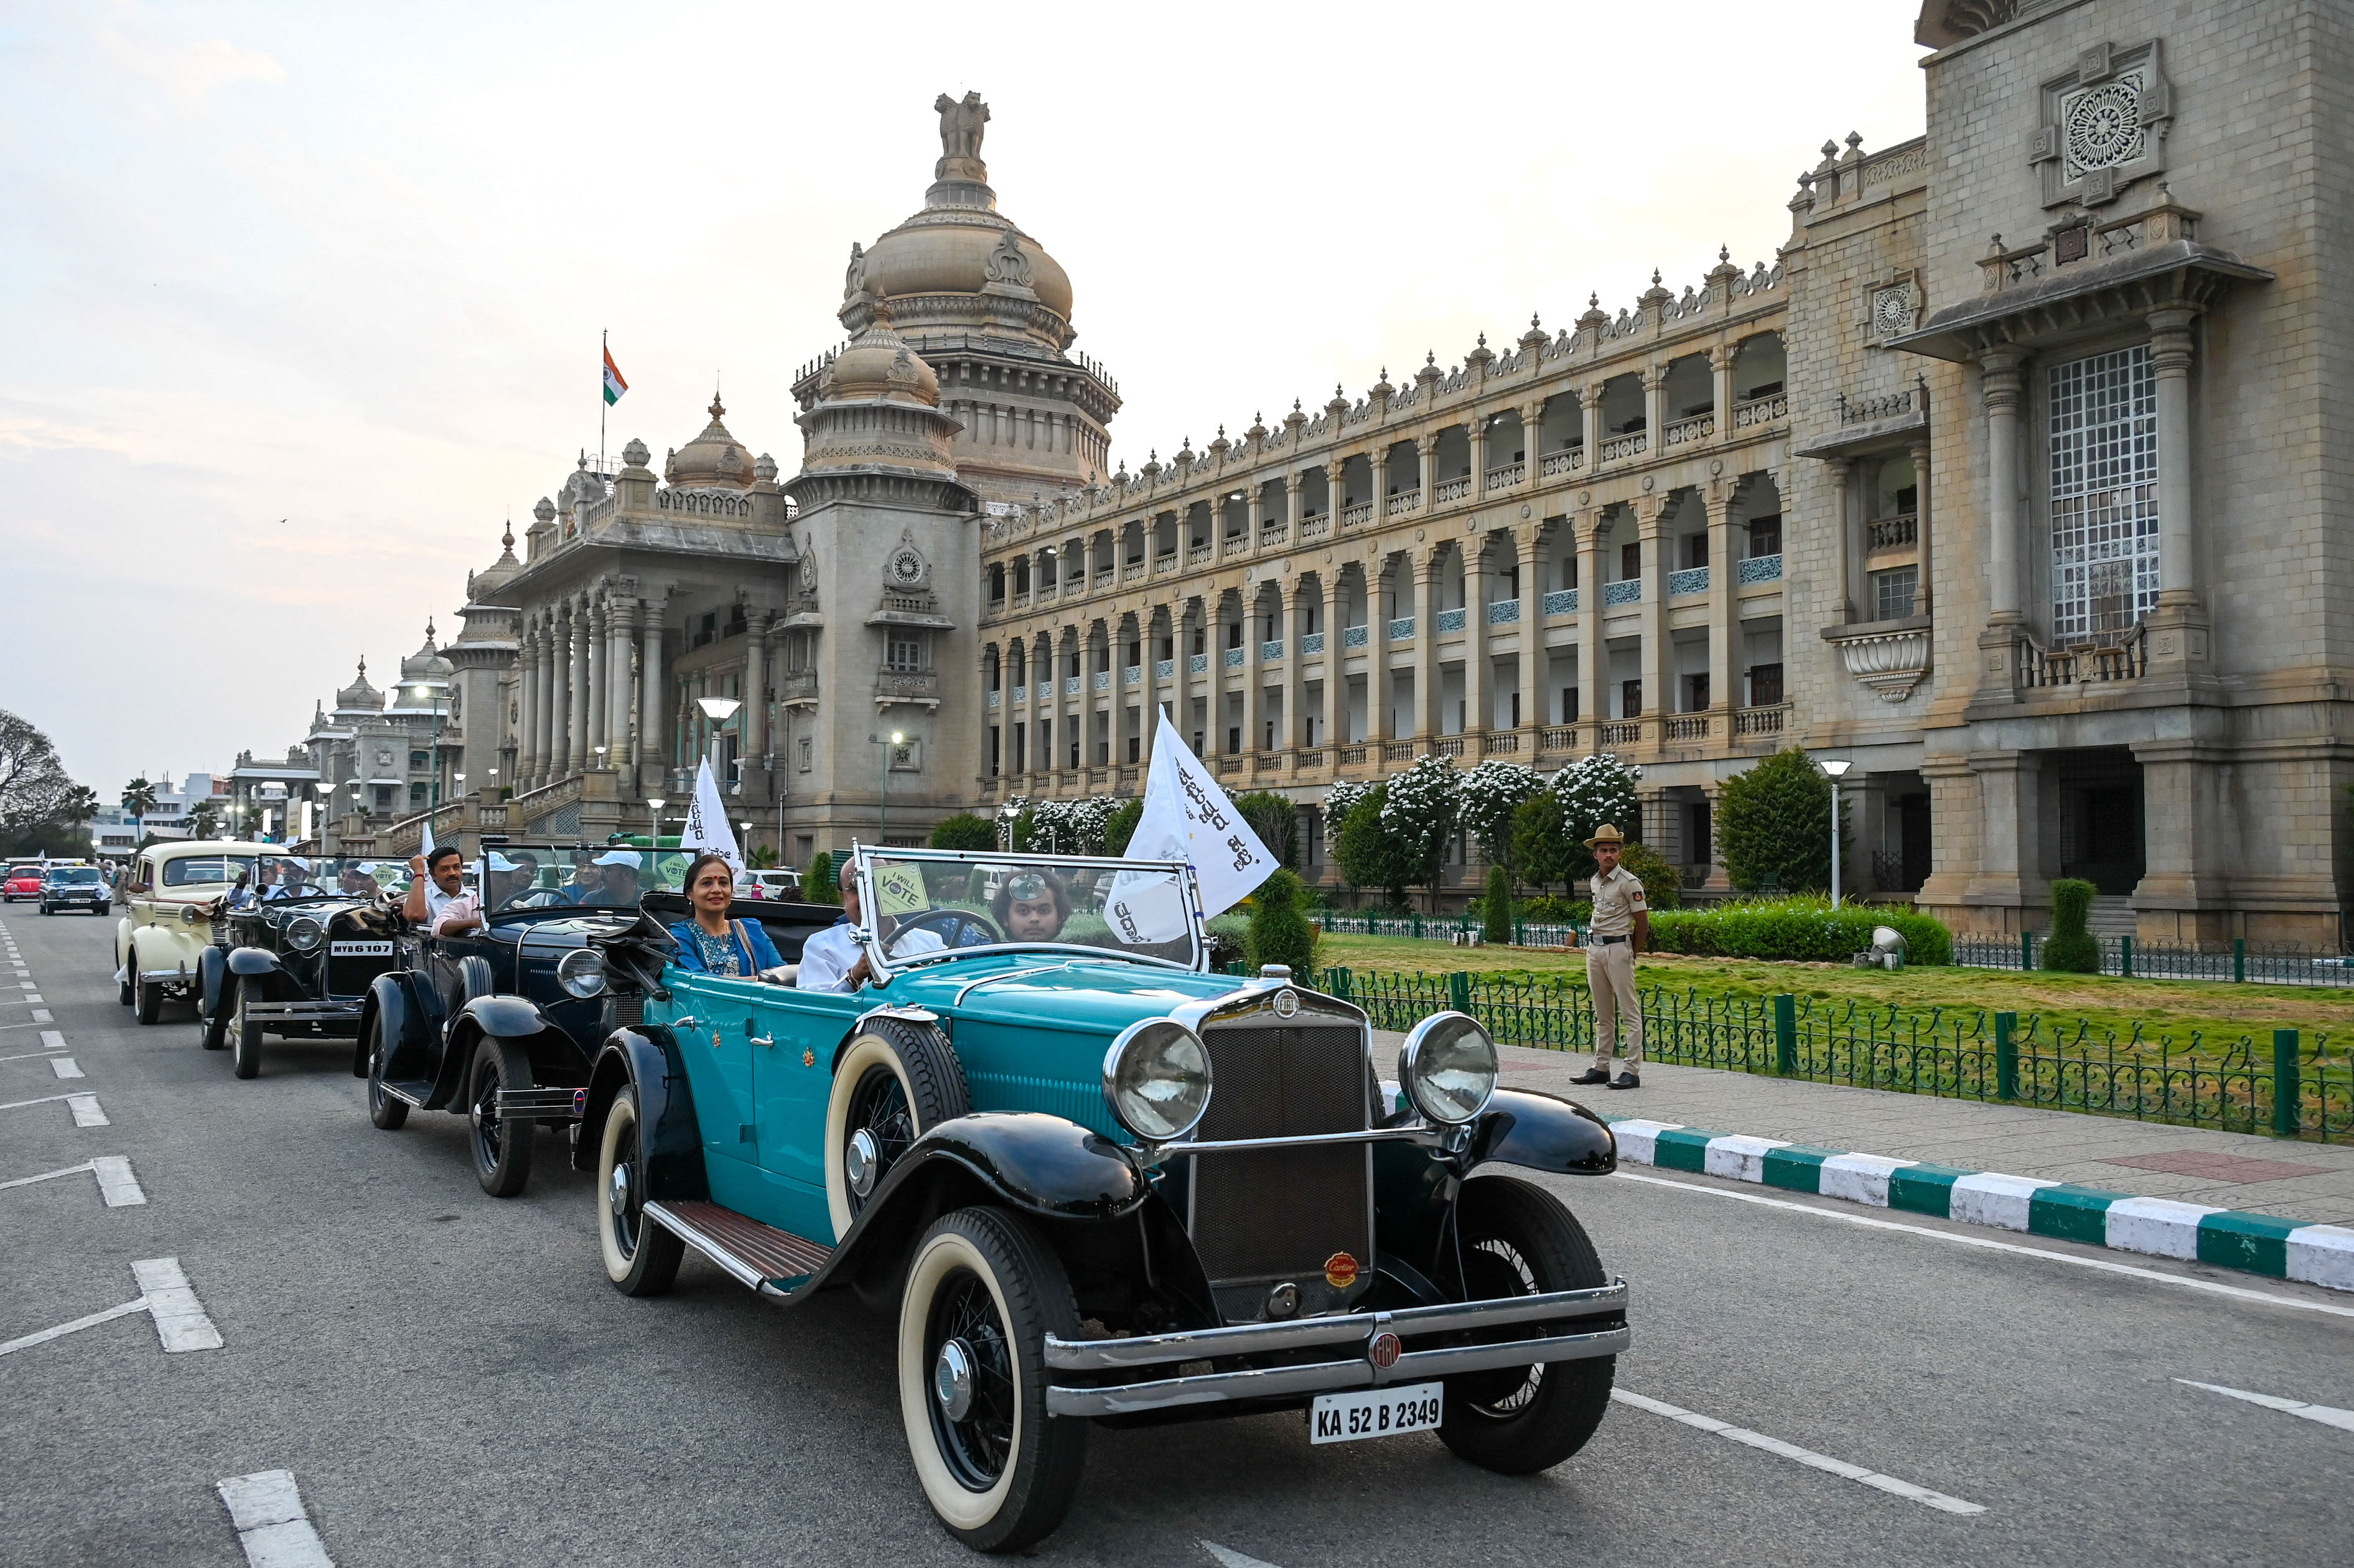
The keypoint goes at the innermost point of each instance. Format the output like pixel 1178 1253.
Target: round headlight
pixel 303 933
pixel 1449 1067
pixel 581 971
pixel 1156 1078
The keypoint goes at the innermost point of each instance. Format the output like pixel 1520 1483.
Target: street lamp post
pixel 657 802
pixel 1835 768
pixel 896 737
pixel 718 710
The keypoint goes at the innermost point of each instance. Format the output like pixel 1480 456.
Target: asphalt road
pixel 449 1379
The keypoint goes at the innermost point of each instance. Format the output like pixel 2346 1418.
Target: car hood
pixel 1051 991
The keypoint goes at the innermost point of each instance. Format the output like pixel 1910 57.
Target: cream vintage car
pixel 166 922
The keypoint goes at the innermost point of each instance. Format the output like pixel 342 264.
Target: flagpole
pixel 605 349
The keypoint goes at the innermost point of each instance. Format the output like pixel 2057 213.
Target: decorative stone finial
pixel 546 510
pixel 1724 252
pixel 507 540
pixel 635 454
pixel 717 407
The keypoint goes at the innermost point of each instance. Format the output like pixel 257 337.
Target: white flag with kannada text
pixel 707 827
pixel 1187 817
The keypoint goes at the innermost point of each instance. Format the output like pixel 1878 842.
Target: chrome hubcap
pixel 860 1160
pixel 952 1380
pixel 618 1193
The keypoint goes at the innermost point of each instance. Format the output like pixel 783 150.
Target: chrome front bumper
pixel 1351 1333
pixel 304 1011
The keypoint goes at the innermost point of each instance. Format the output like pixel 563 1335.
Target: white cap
pixel 500 863
pixel 621 857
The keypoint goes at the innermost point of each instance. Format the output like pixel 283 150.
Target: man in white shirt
pixel 293 878
pixel 834 960
pixel 432 886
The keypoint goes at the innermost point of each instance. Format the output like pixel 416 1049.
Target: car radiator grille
pixel 1279 1214
pixel 350 977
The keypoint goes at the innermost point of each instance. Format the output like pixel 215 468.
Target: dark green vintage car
pixel 1097 1183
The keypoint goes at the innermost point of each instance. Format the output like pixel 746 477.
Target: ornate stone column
pixel 597 699
pixel 1424 448
pixel 1429 574
pixel 755 690
pixel 1378 612
pixel 1593 659
pixel 520 771
pixel 1658 673
pixel 1478 703
pixel 551 653
pixel 1253 692
pixel 1723 613
pixel 1293 733
pixel 1840 472
pixel 619 618
pixel 1923 601
pixel 653 737
pixel 1531 543
pixel 2003 384
pixel 1590 410
pixel 1476 427
pixel 1654 424
pixel 577 755
pixel 1336 675
pixel 2178 626
pixel 1720 367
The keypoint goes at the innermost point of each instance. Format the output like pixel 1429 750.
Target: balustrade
pixel 1397 751
pixel 1070 686
pixel 1504 612
pixel 1101 680
pixel 1196 553
pixel 1355 636
pixel 1893 533
pixel 1767 720
pixel 1683 432
pixel 1404 501
pixel 1022 599
pixel 1448 620
pixel 1688 726
pixel 1350 756
pixel 1312 643
pixel 1691 580
pixel 1506 477
pixel 1103 580
pixel 1272 534
pixel 1450 490
pixel 1234 658
pixel 1270 650
pixel 1164 669
pixel 1500 744
pixel 1622 732
pixel 1761 411
pixel 1621 447
pixel 1563 462
pixel 1197 663
pixel 996 699
pixel 1132 573
pixel 2126 660
pixel 1560 601
pixel 1315 527
pixel 1131 674
pixel 1630 591
pixel 1357 515
pixel 1558 737
pixel 1447 746
pixel 1164 562
pixel 1233 545
pixel 1401 628
pixel 1761 569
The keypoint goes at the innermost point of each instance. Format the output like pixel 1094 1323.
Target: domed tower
pixel 483 656
pixel 990 311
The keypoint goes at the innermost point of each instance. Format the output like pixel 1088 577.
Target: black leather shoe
pixel 1627 1081
pixel 1592 1076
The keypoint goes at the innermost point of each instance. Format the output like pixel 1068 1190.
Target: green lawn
pixel 2221 1012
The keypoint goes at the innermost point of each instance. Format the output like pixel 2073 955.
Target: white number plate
pixel 1375 1412
pixel 360 949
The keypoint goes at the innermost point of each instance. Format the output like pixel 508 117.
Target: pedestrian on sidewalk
pixel 1621 928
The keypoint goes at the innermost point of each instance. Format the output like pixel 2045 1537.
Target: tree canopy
pixel 1775 821
pixel 39 802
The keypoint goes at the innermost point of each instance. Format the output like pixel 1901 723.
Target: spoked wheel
pixel 983 1294
pixel 896 1082
pixel 502 1149
pixel 386 1109
pixel 245 1033
pixel 1516 1240
pixel 640 1256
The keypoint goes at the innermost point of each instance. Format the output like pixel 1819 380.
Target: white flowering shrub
pixel 1597 790
pixel 1341 799
pixel 1422 811
pixel 1492 792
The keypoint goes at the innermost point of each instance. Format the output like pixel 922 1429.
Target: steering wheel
pixel 957 927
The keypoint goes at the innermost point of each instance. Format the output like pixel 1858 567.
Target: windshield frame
pixel 883 967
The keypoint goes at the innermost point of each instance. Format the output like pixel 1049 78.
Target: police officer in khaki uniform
pixel 1621 928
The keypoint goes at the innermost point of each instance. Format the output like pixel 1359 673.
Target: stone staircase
pixel 2111 917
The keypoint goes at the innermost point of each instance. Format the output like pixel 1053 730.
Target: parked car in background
pixel 768 885
pixel 1010 1139
pixel 74 888
pixel 166 924
pixel 24 882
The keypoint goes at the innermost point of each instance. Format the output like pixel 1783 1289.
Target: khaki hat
pixel 1607 833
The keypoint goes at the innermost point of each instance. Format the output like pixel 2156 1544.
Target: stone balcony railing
pixel 1563 462
pixel 796 683
pixel 1757 411
pixel 2126 659
pixel 917 685
pixel 1683 432
pixel 1358 515
pixel 1507 477
pixel 1619 448
pixel 1893 533
pixel 1450 490
pixel 1398 505
pixel 1315 526
pixel 1769 719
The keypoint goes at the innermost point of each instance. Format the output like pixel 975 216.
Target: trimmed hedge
pixel 1804 928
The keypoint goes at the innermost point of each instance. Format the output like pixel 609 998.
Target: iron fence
pixel 2132 959
pixel 2289 1087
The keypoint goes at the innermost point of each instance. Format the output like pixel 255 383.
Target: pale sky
pixel 346 265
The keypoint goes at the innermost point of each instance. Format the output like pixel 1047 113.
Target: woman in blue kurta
pixel 710 943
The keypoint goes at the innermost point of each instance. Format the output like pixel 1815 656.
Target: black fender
pixel 392 1003
pixel 508 1017
pixel 647 1059
pixel 1036 1164
pixel 212 964
pixel 1542 1133
pixel 254 961
pixel 1416 1189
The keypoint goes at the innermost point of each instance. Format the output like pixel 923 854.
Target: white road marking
pixel 20 1001
pixel 1229 1558
pixel 84 1108
pixel 1841 1468
pixel 28 1055
pixel 116 1184
pixel 66 1067
pixel 272 1524
pixel 180 1319
pixel 55 1039
pixel 1986 1243
pixel 2328 1415
pixel 11 1346
pixel 41 1016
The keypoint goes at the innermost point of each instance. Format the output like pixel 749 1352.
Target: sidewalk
pixel 2313 1183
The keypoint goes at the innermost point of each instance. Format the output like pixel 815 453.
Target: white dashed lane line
pixel 1227 1557
pixel 116 1184
pixel 2328 1415
pixel 181 1322
pixel 272 1524
pixel 1808 1457
pixel 84 1108
pixel 66 1067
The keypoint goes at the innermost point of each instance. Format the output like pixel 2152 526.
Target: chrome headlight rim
pixel 303 934
pixel 1150 1120
pixel 1422 1058
pixel 581 973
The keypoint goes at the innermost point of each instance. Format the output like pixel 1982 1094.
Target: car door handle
pixel 770 1041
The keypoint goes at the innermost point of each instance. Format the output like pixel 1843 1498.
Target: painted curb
pixel 2154 1227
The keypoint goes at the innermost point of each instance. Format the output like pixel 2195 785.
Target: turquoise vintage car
pixel 1097 1183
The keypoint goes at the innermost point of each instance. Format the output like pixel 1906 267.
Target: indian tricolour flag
pixel 614 385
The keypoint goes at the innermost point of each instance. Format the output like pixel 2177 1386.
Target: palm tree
pixel 204 821
pixel 139 798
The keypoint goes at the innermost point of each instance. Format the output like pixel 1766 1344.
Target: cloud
pixel 190 73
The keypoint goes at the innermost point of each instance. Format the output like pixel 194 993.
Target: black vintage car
pixel 298 967
pixel 499 1025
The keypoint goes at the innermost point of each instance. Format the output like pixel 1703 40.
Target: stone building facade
pixel 2010 478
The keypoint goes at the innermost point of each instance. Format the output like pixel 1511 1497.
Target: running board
pixel 414 1093
pixel 768 1260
